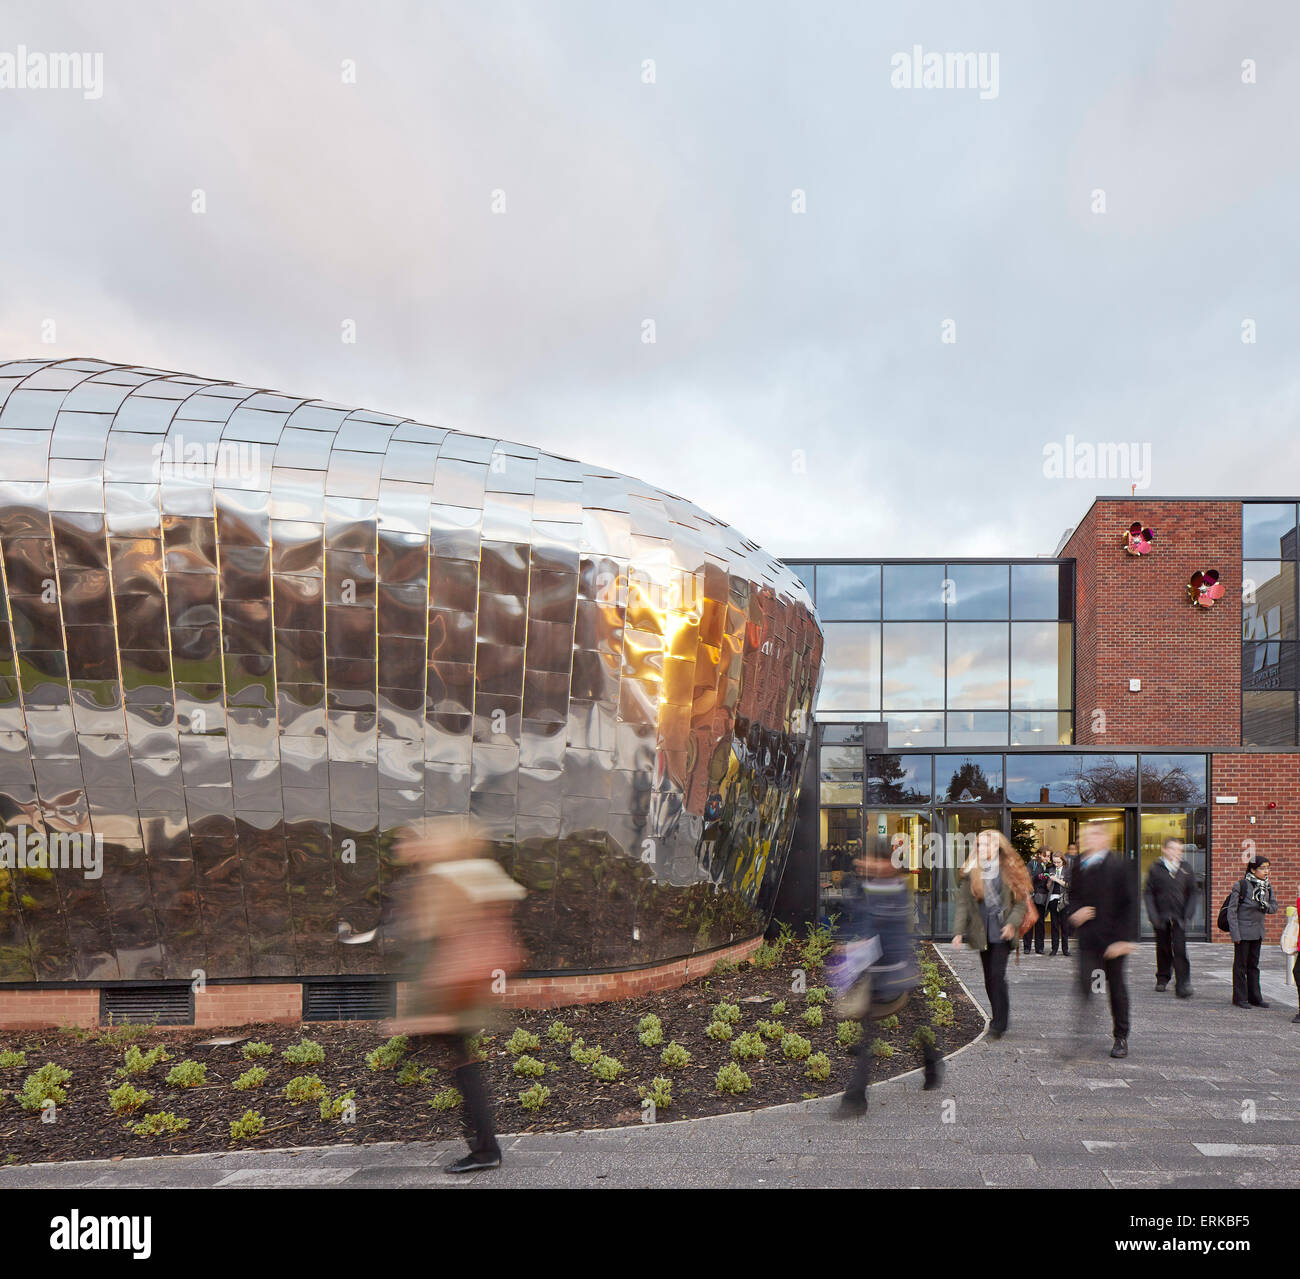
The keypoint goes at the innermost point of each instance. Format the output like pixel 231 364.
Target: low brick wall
pixel 237 1005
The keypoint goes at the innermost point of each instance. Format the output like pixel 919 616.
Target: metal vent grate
pixel 147 1005
pixel 344 1000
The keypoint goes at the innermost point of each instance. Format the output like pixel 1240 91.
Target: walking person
pixel 1105 922
pixel 1250 900
pixel 1057 904
pixel 456 927
pixel 881 922
pixel 993 889
pixel 1170 897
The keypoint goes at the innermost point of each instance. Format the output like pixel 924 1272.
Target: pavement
pixel 1208 1097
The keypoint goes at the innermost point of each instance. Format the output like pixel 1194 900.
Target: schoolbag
pixel 1222 922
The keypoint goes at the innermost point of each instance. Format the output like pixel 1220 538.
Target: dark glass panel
pixel 1268 530
pixel 1108 779
pixel 1044 779
pixel 1268 667
pixel 968 779
pixel 1268 719
pixel 1037 591
pixel 898 779
pixel 1173 779
pixel 1268 599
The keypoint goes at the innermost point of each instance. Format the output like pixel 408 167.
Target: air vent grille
pixel 344 1000
pixel 146 1005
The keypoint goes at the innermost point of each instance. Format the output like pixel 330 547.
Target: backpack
pixel 1222 922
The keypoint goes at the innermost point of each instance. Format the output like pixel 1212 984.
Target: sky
pixel 878 312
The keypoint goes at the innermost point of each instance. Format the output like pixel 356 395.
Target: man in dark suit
pixel 1105 921
pixel 1171 902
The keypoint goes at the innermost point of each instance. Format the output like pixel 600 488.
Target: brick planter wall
pixel 1134 622
pixel 1256 780
pixel 237 1005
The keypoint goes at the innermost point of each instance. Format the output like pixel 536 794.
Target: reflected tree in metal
pixel 247 637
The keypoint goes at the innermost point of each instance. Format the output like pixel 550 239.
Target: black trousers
pixel 860 1077
pixel 1090 964
pixel 1295 973
pixel 993 959
pixel 468 1074
pixel 1245 972
pixel 1038 931
pixel 1171 956
pixel 1060 929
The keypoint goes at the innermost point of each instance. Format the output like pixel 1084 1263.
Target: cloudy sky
pixel 500 196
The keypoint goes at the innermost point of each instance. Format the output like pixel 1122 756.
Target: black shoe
pixel 1162 985
pixel 475 1163
pixel 996 1034
pixel 852 1107
pixel 1120 1049
pixel 934 1073
pixel 1296 1018
pixel 1185 993
pixel 1260 1003
pixel 1240 1003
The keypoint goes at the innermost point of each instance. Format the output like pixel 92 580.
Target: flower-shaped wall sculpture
pixel 1204 588
pixel 1137 541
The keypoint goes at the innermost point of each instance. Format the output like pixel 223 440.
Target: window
pixel 1268 530
pixel 913 592
pixel 898 779
pixel 969 779
pixel 913 665
pixel 1038 591
pixel 851 680
pixel 977 665
pixel 848 592
pixel 978 591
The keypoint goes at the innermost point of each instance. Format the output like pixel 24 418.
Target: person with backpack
pixel 1170 898
pixel 881 926
pixel 993 893
pixel 1105 922
pixel 1249 901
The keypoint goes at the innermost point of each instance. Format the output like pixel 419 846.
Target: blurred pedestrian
pixel 993 890
pixel 1170 898
pixel 1105 923
pixel 1250 900
pixel 455 907
pixel 878 970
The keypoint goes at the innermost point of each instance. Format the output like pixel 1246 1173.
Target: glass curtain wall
pixel 1270 689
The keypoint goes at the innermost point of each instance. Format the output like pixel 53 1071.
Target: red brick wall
pixel 1133 621
pixel 237 1005
pixel 1256 780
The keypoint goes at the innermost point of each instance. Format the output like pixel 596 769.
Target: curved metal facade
pixel 247 637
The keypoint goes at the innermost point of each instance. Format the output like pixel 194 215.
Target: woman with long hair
pixel 992 890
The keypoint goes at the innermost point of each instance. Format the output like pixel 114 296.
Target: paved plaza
pixel 1025 1111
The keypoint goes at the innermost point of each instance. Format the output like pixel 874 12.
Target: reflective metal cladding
pixel 247 637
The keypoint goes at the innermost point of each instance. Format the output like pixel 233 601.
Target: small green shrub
pixel 45 1084
pixel 127 1098
pixel 725 967
pixel 891 1022
pixel 811 1017
pixel 795 1047
pixel 447 1099
pixel 650 1031
pixel 386 1056
pixel 558 1033
pixel 534 1098
pixel 817 995
pixel 766 956
pixel 819 1067
pixel 253 1077
pixel 749 1047
pixel 731 1079
pixel 730 1013
pixel 159 1125
pixel 413 1073
pixel 772 1030
pixel 607 1069
pixel 818 942
pixel 341 1105
pixel 303 1088
pixel 879 1048
pixel 126 1032
pixel 249 1124
pixel 187 1074
pixel 778 1008
pixel 848 1033
pixel 674 1056
pixel 718 1030
pixel 942 1013
pixel 307 1052
pixel 529 1067
pixel 134 1062
pixel 522 1041
pixel 582 1055
pixel 660 1092
pixel 258 1048
pixel 922 1039
pixel 12 1060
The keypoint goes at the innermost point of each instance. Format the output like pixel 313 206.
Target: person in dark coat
pixel 1058 902
pixel 1037 867
pixel 880 910
pixel 1170 898
pixel 1105 921
pixel 1250 900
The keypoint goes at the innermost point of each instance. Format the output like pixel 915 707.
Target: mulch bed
pixel 86 1128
